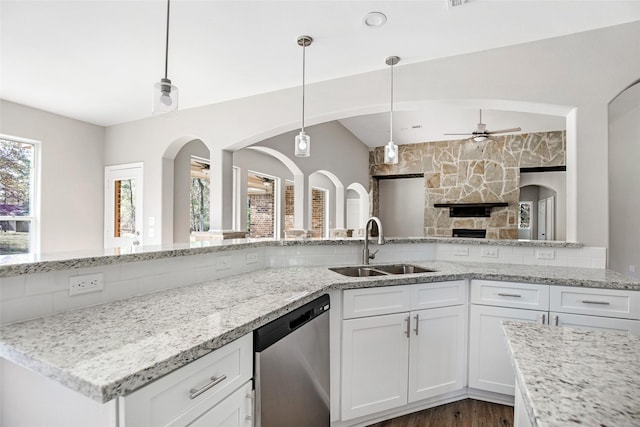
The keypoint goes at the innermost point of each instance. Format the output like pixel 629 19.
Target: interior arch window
pixel 18 196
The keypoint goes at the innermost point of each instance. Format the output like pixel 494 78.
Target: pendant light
pixel 165 95
pixel 391 149
pixel 303 141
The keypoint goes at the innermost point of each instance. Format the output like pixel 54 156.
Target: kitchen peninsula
pixel 157 322
pixel 574 376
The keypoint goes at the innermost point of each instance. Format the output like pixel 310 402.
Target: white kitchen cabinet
pixel 615 303
pixel 181 397
pixel 234 411
pixel 375 361
pixel 394 359
pixel 595 322
pixel 437 352
pixel 520 413
pixel 490 366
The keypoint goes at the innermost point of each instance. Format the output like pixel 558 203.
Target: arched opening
pixel 357 209
pixel 538 213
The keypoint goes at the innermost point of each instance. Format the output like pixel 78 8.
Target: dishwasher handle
pixel 300 320
pixel 267 335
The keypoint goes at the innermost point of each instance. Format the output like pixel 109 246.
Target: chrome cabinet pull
pixel 195 392
pixel 417 323
pixel 543 318
pixel 586 301
pixel 408 331
pixel 509 295
pixel 250 397
pixel 556 320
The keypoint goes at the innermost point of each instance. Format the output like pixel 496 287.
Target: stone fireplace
pixel 465 171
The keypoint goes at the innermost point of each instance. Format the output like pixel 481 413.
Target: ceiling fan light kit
pixel 481 133
pixel 165 95
pixel 391 149
pixel 302 140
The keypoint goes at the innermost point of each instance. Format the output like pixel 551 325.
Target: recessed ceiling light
pixel 374 19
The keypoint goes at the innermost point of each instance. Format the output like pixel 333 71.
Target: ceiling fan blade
pixel 504 131
pixel 458 133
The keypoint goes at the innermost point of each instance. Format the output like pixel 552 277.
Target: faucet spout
pixel 365 252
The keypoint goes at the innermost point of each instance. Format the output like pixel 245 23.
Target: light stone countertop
pixel 576 377
pixel 112 349
pixel 13 265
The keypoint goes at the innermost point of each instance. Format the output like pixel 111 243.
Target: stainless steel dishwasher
pixel 292 368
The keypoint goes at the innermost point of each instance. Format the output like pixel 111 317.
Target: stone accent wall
pixel 261 212
pixel 465 171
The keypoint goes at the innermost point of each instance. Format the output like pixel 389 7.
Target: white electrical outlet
pixel 461 251
pixel 223 262
pixel 252 257
pixel 546 253
pixel 489 252
pixel 86 283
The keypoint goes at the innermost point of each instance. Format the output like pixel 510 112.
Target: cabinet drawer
pixel 375 301
pixel 438 294
pixel 510 294
pixel 189 392
pixel 596 302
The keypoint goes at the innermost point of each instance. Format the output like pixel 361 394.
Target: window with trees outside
pixel 17 197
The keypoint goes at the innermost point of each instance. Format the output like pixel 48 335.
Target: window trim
pixel 34 202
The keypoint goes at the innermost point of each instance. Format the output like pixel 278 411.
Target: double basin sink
pixel 379 270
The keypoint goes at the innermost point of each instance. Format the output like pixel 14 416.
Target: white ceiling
pixel 97 60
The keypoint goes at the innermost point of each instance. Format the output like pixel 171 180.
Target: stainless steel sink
pixel 357 271
pixel 379 270
pixel 402 269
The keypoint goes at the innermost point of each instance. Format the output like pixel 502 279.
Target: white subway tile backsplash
pixel 12 287
pixel 114 291
pixel 41 283
pixel 63 302
pixel 25 308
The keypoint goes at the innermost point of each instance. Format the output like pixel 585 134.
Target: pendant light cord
pixel 304 48
pixel 166 46
pixel 391 110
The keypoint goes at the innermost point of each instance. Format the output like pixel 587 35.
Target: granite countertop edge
pixel 13 265
pixel 297 286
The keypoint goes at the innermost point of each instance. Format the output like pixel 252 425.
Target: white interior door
pixel 542 219
pixel 123 205
pixel 550 213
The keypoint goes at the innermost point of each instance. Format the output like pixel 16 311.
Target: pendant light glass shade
pixel 165 95
pixel 303 141
pixel 391 153
pixel 303 145
pixel 391 149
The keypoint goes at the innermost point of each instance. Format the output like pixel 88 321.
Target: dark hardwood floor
pixel 464 413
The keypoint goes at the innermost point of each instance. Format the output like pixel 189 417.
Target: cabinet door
pixel 437 352
pixel 234 411
pixel 375 359
pixel 595 322
pixel 489 361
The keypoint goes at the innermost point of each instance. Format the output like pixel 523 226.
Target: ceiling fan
pixel 481 133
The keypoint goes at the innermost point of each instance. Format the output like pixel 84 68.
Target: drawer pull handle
pixel 586 301
pixel 408 330
pixel 195 392
pixel 417 323
pixel 509 295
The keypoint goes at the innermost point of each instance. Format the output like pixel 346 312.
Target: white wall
pixel 575 75
pixel 624 183
pixel 401 207
pixel 72 175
